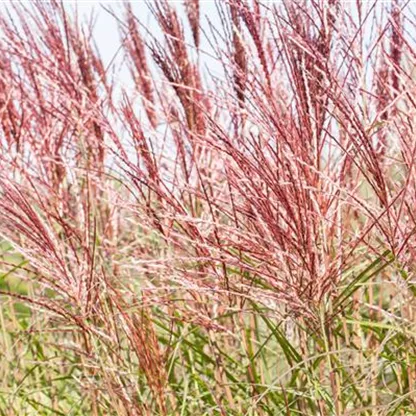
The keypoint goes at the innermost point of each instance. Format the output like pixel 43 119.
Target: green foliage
pixel 358 361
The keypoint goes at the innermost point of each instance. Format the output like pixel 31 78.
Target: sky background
pixel 107 34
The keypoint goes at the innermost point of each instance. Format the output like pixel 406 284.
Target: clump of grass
pixel 232 233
